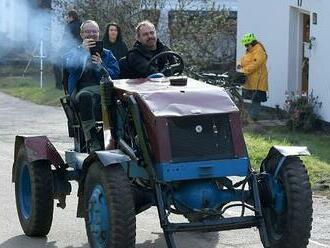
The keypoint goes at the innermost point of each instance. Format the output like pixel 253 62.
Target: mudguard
pixel 281 153
pixel 37 148
pixel 107 158
pixel 81 161
pixel 290 150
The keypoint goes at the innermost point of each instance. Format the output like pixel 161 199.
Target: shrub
pixel 302 111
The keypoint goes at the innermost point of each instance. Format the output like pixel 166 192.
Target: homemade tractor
pixel 170 142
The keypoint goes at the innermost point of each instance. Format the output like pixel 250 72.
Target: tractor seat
pixel 71 114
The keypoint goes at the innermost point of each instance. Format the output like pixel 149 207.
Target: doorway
pixel 306 46
pixel 299 51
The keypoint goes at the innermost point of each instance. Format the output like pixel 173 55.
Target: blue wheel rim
pixel 25 193
pixel 98 217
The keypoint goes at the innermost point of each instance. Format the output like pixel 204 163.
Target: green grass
pixel 318 164
pixel 28 89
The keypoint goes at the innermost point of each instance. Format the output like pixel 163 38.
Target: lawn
pixel 258 142
pixel 318 143
pixel 28 88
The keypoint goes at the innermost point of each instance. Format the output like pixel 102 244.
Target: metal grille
pixel 197 138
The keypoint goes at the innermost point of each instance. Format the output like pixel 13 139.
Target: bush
pixel 301 111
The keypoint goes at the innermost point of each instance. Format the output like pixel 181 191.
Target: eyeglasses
pixel 90 31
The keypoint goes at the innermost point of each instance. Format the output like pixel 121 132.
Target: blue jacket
pixel 75 63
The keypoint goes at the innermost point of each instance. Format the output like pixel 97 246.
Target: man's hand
pixel 88 43
pixel 96 59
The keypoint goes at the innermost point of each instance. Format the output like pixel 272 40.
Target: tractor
pixel 170 142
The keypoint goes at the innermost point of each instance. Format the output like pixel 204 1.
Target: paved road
pixel 20 117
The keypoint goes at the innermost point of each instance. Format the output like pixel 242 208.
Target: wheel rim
pixel 25 193
pixel 98 217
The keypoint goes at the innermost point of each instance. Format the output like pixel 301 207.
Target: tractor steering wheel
pixel 169 63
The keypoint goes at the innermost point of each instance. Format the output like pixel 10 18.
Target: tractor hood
pixel 163 99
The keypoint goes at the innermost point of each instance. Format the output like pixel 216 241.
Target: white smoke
pixel 23 25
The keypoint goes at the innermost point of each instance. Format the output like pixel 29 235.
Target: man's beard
pixel 151 43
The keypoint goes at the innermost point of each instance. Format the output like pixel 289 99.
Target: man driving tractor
pixel 147 46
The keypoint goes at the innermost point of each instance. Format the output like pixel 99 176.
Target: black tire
pixel 292 228
pixel 34 190
pixel 111 188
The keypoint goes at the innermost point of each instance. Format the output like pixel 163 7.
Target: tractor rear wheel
pixel 110 211
pixel 291 228
pixel 34 195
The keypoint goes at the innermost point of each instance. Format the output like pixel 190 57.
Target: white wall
pixel 319 77
pixel 13 19
pixel 270 21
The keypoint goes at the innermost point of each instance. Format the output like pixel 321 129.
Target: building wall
pixel 270 21
pixel 13 19
pixel 319 76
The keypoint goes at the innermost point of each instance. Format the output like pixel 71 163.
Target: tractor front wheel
pixel 289 219
pixel 34 195
pixel 109 206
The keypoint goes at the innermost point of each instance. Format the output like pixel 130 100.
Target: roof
pixel 164 99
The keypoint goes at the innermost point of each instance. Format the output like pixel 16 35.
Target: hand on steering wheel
pixel 169 63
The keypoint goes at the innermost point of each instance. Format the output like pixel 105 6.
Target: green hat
pixel 248 38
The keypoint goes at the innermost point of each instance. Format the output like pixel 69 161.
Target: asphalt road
pixel 20 117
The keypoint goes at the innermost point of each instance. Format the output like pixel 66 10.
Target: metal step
pixel 218 225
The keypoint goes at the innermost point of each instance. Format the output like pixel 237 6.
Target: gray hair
pixel 88 21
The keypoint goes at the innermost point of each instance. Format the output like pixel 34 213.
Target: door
pixel 299 51
pixel 306 46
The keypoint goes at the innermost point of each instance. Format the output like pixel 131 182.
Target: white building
pixel 13 16
pixel 296 35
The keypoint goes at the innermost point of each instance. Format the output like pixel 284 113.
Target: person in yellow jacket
pixel 253 65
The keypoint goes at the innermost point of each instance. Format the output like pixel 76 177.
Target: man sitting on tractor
pixel 145 48
pixel 83 68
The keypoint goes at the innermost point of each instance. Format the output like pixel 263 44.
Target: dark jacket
pixel 72 36
pixel 76 60
pixel 138 58
pixel 119 48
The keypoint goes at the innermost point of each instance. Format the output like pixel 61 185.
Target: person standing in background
pixel 71 38
pixel 72 29
pixel 253 65
pixel 113 41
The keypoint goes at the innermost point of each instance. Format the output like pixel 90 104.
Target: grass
pixel 318 164
pixel 258 143
pixel 28 88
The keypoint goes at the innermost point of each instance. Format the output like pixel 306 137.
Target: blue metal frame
pixel 170 172
pixel 98 217
pixel 25 192
pixel 204 195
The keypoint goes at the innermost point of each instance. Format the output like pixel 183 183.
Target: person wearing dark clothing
pixel 71 38
pixel 71 35
pixel 84 79
pixel 144 49
pixel 113 41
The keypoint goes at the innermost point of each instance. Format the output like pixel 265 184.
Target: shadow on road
pixel 184 240
pixel 23 241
